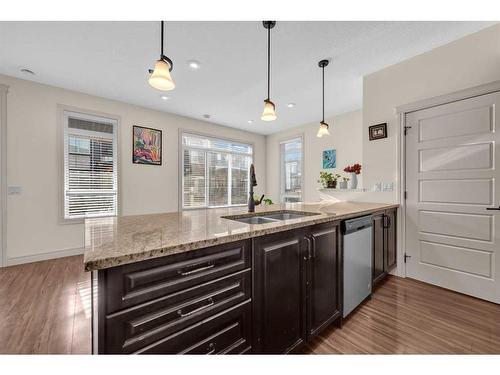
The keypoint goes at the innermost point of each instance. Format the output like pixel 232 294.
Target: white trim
pixel 61 109
pixel 44 256
pixel 4 89
pixel 303 161
pixel 402 112
pixel 471 92
pixel 180 172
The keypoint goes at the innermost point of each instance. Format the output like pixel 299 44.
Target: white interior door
pixel 452 175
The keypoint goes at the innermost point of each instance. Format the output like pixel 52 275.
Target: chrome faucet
pixel 253 182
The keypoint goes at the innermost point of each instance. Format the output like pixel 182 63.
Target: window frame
pixel 290 138
pixel 62 111
pixel 181 167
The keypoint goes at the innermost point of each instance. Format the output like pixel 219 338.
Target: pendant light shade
pixel 269 113
pixel 160 77
pixel 323 129
pixel 323 126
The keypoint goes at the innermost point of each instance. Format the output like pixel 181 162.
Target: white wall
pixel 345 136
pixel 33 217
pixel 467 62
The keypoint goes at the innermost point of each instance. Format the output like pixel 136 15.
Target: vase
pixel 354 181
pixel 342 184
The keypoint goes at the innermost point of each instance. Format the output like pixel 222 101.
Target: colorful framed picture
pixel 329 159
pixel 146 146
pixel 377 131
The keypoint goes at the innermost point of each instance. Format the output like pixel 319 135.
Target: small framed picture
pixel 146 146
pixel 377 131
pixel 329 159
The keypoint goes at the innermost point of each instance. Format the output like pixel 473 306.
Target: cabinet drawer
pixel 134 328
pixel 135 283
pixel 228 332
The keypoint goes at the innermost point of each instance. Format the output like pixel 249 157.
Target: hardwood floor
pixel 406 316
pixel 45 308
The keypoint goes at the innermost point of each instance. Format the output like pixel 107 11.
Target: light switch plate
pixel 14 190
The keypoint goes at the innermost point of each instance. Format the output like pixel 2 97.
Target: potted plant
pixel 343 183
pixel 328 180
pixel 354 170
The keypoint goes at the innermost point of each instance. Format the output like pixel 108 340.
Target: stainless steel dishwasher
pixel 357 262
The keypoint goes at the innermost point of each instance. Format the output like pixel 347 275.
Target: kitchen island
pixel 199 282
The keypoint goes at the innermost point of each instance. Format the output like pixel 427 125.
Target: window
pixel 291 170
pixel 90 166
pixel 215 172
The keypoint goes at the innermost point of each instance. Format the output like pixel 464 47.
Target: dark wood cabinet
pixel 378 247
pixel 324 286
pixel 297 286
pixel 384 244
pixel 280 291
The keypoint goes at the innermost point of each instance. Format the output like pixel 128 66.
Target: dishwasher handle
pixel 354 225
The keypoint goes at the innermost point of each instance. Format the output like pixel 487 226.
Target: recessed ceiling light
pixel 27 71
pixel 206 116
pixel 164 97
pixel 194 64
pixel 250 121
pixel 290 105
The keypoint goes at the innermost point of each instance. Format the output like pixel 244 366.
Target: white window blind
pixel 291 170
pixel 215 172
pixel 90 166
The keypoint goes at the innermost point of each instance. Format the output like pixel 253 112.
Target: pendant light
pixel 269 113
pixel 323 126
pixel 160 77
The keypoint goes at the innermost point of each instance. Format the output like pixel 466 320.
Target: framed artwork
pixel 146 146
pixel 329 159
pixel 377 131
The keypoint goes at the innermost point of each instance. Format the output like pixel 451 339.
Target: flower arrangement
pixel 355 168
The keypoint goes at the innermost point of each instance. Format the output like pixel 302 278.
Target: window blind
pixel 215 171
pixel 90 166
pixel 291 170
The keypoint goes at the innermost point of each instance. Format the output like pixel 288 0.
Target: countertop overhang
pixel 113 241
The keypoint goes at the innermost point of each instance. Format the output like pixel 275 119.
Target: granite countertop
pixel 114 241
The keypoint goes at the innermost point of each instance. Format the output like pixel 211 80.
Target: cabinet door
pixel 324 282
pixel 279 297
pixel 378 247
pixel 390 240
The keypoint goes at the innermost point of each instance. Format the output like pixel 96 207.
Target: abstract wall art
pixel 329 159
pixel 146 146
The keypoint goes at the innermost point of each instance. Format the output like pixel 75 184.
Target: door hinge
pixel 406 129
pixel 405 194
pixel 406 257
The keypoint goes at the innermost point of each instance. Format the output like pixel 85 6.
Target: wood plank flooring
pixel 45 308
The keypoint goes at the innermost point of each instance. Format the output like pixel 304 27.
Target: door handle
pixel 493 208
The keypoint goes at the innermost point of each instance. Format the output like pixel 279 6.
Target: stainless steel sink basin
pixel 255 220
pixel 266 218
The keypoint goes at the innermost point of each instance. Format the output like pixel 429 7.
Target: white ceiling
pixel 110 59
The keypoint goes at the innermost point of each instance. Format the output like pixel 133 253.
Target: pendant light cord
pixel 161 47
pixel 323 72
pixel 268 62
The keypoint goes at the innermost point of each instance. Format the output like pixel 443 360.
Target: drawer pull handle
pixel 212 348
pixel 196 270
pixel 183 315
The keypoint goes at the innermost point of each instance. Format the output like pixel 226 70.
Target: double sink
pixel 269 217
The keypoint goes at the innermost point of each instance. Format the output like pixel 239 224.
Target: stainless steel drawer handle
pixel 183 315
pixel 196 270
pixel 212 348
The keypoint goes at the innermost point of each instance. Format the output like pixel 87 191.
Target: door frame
pixel 402 111
pixel 4 89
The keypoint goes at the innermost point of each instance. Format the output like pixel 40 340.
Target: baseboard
pixel 43 256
